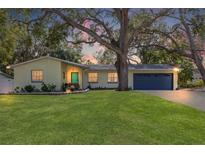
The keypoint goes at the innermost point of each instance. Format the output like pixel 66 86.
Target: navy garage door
pixel 153 81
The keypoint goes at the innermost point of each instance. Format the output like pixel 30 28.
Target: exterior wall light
pixel 176 69
pixel 8 67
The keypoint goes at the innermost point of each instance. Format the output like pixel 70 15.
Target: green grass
pixel 98 117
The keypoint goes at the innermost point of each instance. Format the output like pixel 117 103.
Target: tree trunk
pixel 121 63
pixel 122 71
pixel 199 63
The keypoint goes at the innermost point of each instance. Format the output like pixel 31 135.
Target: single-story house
pixel 57 71
pixel 6 83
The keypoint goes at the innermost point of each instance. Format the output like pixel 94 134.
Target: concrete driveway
pixel 194 99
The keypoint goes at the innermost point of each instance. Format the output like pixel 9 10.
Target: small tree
pixel 193 24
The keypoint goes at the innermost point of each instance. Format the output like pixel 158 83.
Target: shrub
pixel 17 89
pixel 193 84
pixel 65 86
pixel 23 90
pixel 89 87
pixel 197 84
pixel 29 88
pixel 48 87
pixel 71 86
pixel 103 88
pixel 44 87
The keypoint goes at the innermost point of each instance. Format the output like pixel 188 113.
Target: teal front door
pixel 74 77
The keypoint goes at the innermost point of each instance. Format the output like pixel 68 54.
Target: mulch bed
pixel 48 93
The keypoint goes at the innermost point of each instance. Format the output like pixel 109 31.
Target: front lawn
pixel 98 117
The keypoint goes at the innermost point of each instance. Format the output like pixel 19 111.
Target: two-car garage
pixel 153 77
pixel 152 81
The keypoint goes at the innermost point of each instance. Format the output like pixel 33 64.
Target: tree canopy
pixel 24 37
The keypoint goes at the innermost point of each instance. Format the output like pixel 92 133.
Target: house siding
pixel 68 69
pixel 6 84
pixel 51 73
pixel 103 78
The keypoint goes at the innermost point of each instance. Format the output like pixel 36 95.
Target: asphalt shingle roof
pixel 107 67
pixel 6 75
pixel 133 67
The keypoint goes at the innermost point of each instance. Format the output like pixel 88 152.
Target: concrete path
pixel 194 99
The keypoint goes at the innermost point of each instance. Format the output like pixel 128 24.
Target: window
pixel 112 77
pixel 92 77
pixel 37 75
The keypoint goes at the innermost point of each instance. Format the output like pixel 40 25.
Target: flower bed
pixel 51 93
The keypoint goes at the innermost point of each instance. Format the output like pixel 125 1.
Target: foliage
pixel 74 86
pixel 98 117
pixel 8 38
pixel 64 87
pixel 17 89
pixel 164 57
pixel 101 88
pixel 70 54
pixel 106 57
pixel 191 27
pixel 25 35
pixel 71 86
pixel 193 84
pixel 48 87
pixel 29 88
pixel 186 73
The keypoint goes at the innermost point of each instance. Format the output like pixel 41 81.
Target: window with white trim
pixel 36 75
pixel 92 77
pixel 112 77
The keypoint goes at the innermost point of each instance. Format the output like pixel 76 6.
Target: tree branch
pixel 81 41
pixel 178 51
pixel 162 13
pixel 95 19
pixel 82 28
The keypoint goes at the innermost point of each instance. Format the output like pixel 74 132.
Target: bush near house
pixel 48 87
pixel 74 86
pixel 29 88
pixel 17 89
pixel 71 86
pixel 193 84
pixel 103 88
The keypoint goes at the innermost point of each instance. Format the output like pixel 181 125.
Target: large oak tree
pixel 114 29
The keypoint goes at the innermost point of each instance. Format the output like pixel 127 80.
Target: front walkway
pixel 194 99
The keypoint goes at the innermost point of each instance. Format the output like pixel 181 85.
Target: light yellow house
pixel 57 71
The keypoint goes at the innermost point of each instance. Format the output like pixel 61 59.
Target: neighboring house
pixel 57 71
pixel 6 83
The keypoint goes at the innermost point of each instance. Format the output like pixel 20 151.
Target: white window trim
pixel 108 78
pixel 93 81
pixel 32 76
